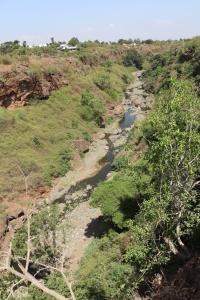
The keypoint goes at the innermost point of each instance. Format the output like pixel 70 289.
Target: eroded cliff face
pixel 18 87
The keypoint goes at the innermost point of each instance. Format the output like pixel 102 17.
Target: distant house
pixel 68 47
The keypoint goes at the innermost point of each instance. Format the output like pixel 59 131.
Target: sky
pixel 36 21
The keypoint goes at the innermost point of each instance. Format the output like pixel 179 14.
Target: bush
pixel 87 137
pixel 60 164
pixel 120 163
pixel 42 229
pixel 113 198
pixel 92 107
pixel 103 273
pixel 126 78
pixel 35 72
pixel 50 70
pixel 133 58
pixel 108 65
pixel 113 94
pixel 103 82
pixel 36 141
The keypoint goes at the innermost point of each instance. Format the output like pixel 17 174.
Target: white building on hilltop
pixel 67 47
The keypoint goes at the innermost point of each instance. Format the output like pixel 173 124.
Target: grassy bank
pixel 38 138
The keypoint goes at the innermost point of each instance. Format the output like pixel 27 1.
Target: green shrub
pixel 113 94
pixel 35 72
pixel 87 137
pixel 43 226
pixel 92 107
pixel 108 65
pixel 103 274
pixel 60 164
pixel 120 163
pixel 133 58
pixel 53 281
pixel 116 198
pixel 103 81
pixel 50 70
pixel 126 78
pixel 69 136
pixel 36 141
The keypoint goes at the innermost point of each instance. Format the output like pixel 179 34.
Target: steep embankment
pixel 19 86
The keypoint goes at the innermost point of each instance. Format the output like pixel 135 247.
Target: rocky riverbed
pixel 79 182
pixel 82 221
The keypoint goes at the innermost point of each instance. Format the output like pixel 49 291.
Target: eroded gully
pixel 81 222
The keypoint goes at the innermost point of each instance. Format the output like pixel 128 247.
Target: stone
pixel 81 145
pixel 56 196
pixel 88 187
pixel 139 117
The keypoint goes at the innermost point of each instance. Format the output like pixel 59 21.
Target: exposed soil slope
pixel 17 87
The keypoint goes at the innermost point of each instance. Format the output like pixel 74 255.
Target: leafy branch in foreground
pixel 19 267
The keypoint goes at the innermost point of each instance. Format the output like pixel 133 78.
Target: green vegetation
pixel 93 108
pixel 44 250
pixel 103 81
pixel 133 58
pixel 153 202
pixel 181 62
pixel 39 137
pixel 35 72
pixel 87 137
pixel 150 204
pixel 73 41
pixel 43 227
pixel 103 274
pixel 120 197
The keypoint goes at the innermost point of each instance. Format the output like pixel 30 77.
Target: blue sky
pixel 37 20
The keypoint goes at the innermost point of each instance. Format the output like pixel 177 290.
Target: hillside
pixel 45 123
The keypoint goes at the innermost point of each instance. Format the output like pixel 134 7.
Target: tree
pixel 133 58
pixel 170 216
pixel 29 243
pixel 19 267
pixel 52 41
pixel 16 42
pixel 119 199
pixel 24 44
pixel 22 272
pixel 73 41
